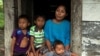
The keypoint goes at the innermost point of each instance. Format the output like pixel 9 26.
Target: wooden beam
pixel 9 24
pixel 76 19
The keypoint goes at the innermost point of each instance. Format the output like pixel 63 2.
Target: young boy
pixel 59 50
pixel 37 34
pixel 21 38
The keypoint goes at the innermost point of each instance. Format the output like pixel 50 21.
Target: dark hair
pixel 57 42
pixel 66 10
pixel 39 16
pixel 65 6
pixel 24 17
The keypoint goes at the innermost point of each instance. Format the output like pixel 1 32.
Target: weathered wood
pixel 17 10
pixel 76 18
pixel 9 24
pixel 19 7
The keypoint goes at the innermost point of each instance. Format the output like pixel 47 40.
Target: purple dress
pixel 19 36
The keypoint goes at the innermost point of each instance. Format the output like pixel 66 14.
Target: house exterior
pixel 85 21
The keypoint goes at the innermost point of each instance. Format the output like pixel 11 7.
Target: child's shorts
pixel 43 50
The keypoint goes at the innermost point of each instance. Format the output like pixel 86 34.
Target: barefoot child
pixel 37 35
pixel 20 38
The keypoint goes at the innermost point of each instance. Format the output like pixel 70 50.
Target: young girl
pixel 59 50
pixel 21 38
pixel 58 28
pixel 37 35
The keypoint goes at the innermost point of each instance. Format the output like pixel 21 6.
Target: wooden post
pixel 9 24
pixel 76 19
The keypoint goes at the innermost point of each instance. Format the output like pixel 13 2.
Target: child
pixel 58 29
pixel 59 50
pixel 21 38
pixel 37 34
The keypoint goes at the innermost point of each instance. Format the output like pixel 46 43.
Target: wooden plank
pixel 9 24
pixel 76 18
pixel 19 7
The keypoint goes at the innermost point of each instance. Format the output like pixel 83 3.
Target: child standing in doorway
pixel 37 35
pixel 20 38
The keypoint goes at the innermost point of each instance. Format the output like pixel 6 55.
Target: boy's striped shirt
pixel 38 36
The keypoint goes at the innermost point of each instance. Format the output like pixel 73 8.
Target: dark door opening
pixel 45 7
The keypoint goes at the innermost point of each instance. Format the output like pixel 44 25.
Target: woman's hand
pixel 48 45
pixel 67 47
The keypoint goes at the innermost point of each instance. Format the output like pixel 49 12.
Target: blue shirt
pixel 57 31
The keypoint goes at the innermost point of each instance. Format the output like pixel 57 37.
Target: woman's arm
pixel 68 36
pixel 47 34
pixel 48 45
pixel 12 45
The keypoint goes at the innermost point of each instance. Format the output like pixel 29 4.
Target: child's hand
pixel 27 52
pixel 37 52
pixel 31 54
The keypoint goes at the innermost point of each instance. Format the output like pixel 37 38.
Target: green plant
pixel 1 15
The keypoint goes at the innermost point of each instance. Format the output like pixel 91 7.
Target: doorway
pixel 26 7
pixel 45 7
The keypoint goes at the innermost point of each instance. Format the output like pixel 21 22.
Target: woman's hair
pixel 57 42
pixel 65 7
pixel 66 10
pixel 26 18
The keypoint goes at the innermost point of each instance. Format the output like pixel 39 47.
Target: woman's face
pixel 60 13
